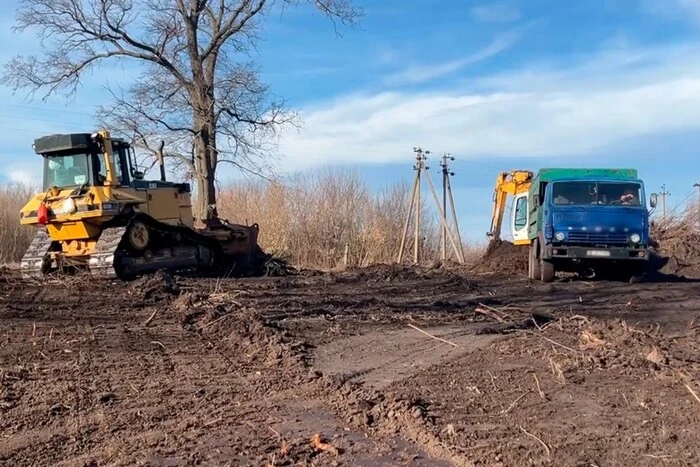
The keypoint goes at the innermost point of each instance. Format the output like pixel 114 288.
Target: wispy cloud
pixel 416 74
pixel 495 13
pixel 606 99
pixel 673 9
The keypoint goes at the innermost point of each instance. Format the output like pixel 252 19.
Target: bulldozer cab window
pixel 121 168
pixel 101 169
pixel 66 171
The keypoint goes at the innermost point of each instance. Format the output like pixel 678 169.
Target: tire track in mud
pixel 364 365
pixel 381 357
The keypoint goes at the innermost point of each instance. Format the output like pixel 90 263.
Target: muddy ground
pixel 380 366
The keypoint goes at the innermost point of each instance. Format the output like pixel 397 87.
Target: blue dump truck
pixel 584 219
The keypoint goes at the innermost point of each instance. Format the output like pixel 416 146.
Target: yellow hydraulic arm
pixel 507 183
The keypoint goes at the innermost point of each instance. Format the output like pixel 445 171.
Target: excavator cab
pixel 520 217
pixel 516 184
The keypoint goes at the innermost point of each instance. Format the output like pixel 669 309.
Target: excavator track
pixel 34 263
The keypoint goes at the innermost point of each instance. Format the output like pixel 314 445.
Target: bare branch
pixel 194 88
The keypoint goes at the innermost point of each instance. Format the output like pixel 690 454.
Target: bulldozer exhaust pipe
pixel 161 161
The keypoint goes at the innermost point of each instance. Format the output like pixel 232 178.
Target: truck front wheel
pixel 547 271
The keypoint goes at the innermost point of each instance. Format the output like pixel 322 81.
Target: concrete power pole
pixel 414 204
pixel 421 156
pixel 447 194
pixel 664 195
pixel 414 207
pixel 445 180
pixel 697 185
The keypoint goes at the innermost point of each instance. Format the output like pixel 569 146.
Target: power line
pixel 44 109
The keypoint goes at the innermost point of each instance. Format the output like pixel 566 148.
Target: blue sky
pixel 500 85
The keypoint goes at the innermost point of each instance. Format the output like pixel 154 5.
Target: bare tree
pixel 199 89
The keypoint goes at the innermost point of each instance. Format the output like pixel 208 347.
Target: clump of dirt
pixel 153 288
pixel 242 330
pixel 382 273
pixel 7 275
pixel 503 257
pixel 266 264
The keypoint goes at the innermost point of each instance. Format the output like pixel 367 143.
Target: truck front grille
pixel 598 237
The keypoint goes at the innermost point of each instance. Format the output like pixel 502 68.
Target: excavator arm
pixel 507 183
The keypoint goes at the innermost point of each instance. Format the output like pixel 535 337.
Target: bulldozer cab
pixel 66 170
pixel 84 160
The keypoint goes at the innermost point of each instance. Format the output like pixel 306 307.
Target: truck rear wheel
pixel 533 263
pixel 547 272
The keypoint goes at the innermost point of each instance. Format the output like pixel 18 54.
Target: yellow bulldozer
pixel 97 213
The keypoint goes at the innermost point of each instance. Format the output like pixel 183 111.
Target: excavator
pixel 97 213
pixel 515 183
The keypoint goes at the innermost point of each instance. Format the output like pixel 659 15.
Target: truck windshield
pixel 597 192
pixel 66 171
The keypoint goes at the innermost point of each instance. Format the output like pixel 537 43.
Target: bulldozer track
pixel 104 262
pixel 102 259
pixel 36 254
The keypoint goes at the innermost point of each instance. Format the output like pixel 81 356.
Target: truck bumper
pixel 593 253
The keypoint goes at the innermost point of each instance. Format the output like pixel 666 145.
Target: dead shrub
pixel 14 238
pixel 677 236
pixel 315 218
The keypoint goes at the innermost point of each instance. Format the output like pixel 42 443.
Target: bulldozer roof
pixel 66 143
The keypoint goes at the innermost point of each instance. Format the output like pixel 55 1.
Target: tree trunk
pixel 205 166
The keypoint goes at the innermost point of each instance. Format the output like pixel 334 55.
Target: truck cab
pixel 576 219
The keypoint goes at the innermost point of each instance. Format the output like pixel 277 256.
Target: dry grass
pixel 678 236
pixel 310 218
pixel 14 238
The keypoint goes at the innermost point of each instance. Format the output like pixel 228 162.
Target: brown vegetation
pixel 311 218
pixel 678 238
pixel 14 238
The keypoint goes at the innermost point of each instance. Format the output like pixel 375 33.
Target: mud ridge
pixel 504 258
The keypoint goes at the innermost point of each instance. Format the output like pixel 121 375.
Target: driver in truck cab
pixel 629 198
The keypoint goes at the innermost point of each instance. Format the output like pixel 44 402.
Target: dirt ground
pixel 380 366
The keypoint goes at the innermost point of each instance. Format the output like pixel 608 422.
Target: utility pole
pixel 447 193
pixel 697 185
pixel 421 156
pixel 664 195
pixel 414 204
pixel 445 176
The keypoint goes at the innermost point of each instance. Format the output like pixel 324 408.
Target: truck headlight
pixel 559 236
pixel 635 238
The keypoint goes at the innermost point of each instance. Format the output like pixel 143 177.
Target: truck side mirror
pixel 653 200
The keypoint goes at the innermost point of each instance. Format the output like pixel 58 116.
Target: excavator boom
pixel 507 183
